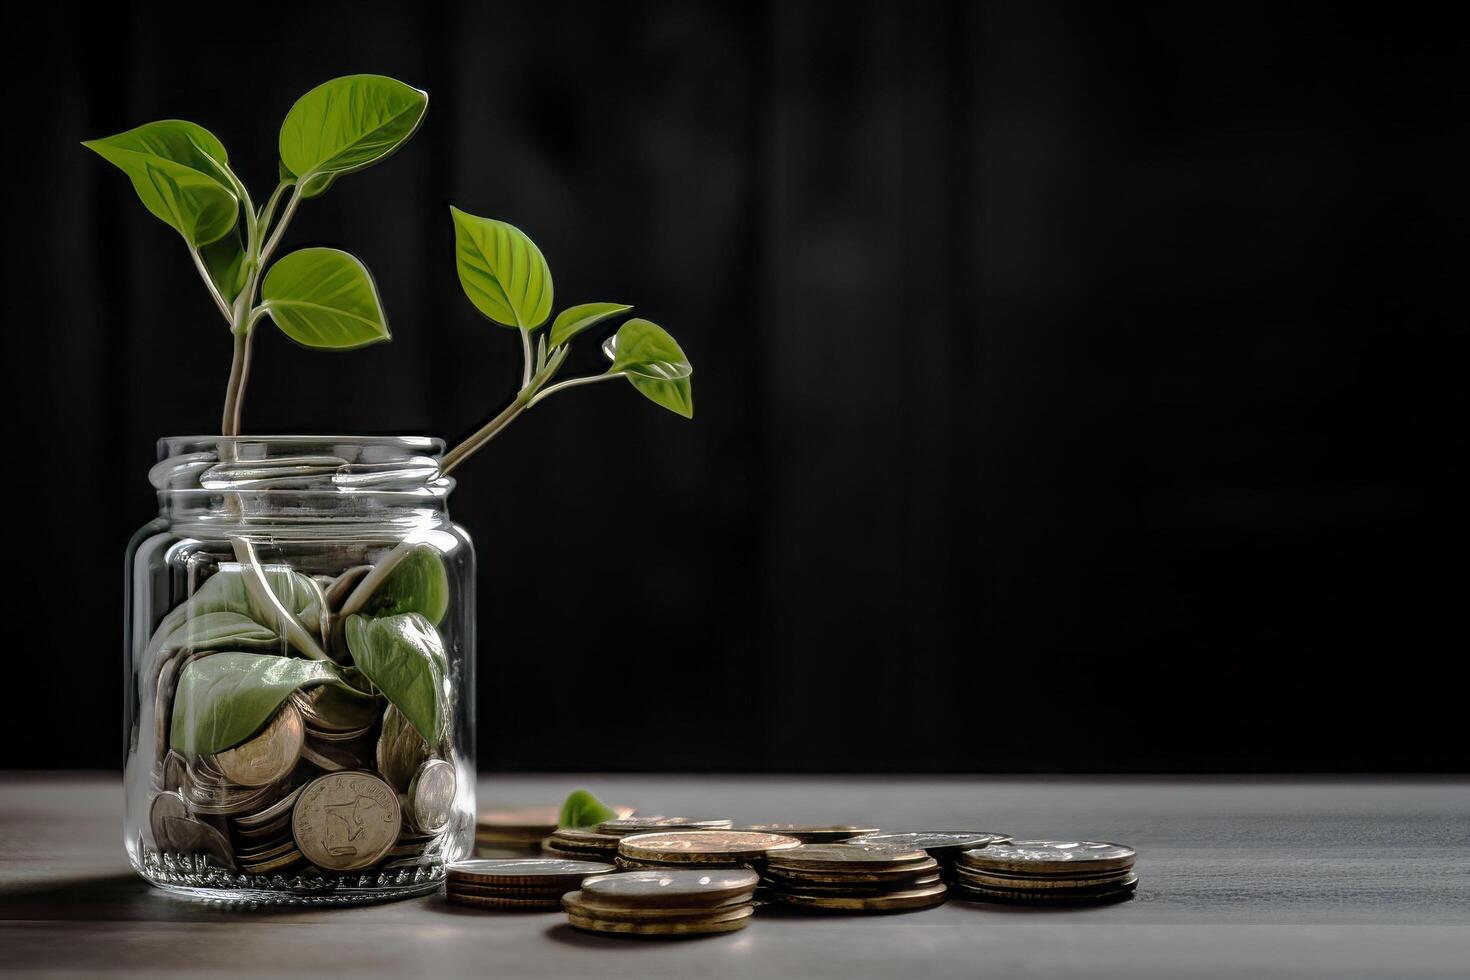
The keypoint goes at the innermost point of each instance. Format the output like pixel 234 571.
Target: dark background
pixel 1078 385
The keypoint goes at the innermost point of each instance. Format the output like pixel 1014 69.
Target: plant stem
pixel 214 292
pixel 286 215
pixel 572 383
pixel 526 358
pixel 374 578
pixel 235 389
pixel 487 432
pixel 268 212
pixel 260 591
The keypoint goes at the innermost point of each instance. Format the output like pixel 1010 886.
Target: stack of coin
pixel 524 827
pixel 944 846
pixel 519 884
pixel 263 840
pixel 854 878
pixel 1050 872
pixel 700 849
pixel 587 845
pixel 664 904
pixel 623 826
pixel 809 833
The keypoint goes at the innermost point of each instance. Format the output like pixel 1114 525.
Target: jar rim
pixel 300 463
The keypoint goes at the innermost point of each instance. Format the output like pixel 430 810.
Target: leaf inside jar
pixel 417 584
pixel 404 658
pixel 225 592
pixel 224 699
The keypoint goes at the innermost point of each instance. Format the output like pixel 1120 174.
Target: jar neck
pixel 301 482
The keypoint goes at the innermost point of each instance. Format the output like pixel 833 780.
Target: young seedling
pixel 507 279
pixel 321 298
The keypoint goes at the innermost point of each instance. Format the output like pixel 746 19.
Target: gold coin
pixel 858 889
pixel 401 749
pixel 918 898
pixel 730 922
pixel 346 821
pixel 1049 857
pixel 577 902
pixel 269 756
pixel 539 872
pixel 703 846
pixel 674 888
pixel 847 857
pixel 335 756
pixel 431 795
pixel 624 826
pixel 508 904
pixel 1041 882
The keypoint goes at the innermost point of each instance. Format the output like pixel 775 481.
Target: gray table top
pixel 1280 878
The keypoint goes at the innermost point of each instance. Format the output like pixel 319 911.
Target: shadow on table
pixel 122 896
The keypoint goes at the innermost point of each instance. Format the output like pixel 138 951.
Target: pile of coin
pixel 809 833
pixel 624 826
pixel 664 904
pixel 586 845
pixel 854 878
pixel 944 846
pixel 526 827
pixel 700 849
pixel 1051 872
pixel 522 884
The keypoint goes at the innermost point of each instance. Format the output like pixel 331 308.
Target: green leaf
pixel 225 592
pixel 225 261
pixel 582 809
pixel 404 658
pixel 645 349
pixel 325 299
pixel 225 698
pixel 221 631
pixel 347 124
pixel 676 396
pixel 575 319
pixel 501 270
pixel 417 584
pixel 181 173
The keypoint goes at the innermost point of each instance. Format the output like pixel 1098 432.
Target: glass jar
pixel 300 648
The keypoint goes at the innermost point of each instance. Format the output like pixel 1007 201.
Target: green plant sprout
pixel 321 298
pixel 507 279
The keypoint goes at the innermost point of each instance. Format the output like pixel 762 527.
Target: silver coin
pixel 550 872
pixel 673 888
pixel 653 824
pixel 193 837
pixel 1049 856
pixel 936 842
pixel 431 795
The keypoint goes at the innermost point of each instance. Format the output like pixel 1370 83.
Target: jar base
pixel 200 880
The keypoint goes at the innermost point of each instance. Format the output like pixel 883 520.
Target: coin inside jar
pixel 346 821
pixel 166 805
pixel 431 795
pixel 269 756
pixel 703 846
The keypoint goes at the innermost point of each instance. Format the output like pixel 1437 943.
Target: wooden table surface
pixel 1278 878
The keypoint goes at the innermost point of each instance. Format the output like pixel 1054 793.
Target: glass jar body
pixel 300 673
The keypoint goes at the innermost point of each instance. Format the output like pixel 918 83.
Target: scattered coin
pixel 1114 891
pixel 269 756
pixel 1040 882
pixel 549 872
pixel 345 821
pixel 431 795
pixel 624 826
pixel 731 921
pixel 726 847
pixel 809 833
pixel 505 903
pixel 847 857
pixel 919 898
pixel 672 889
pixel 576 843
pixel 938 843
pixel 1048 857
